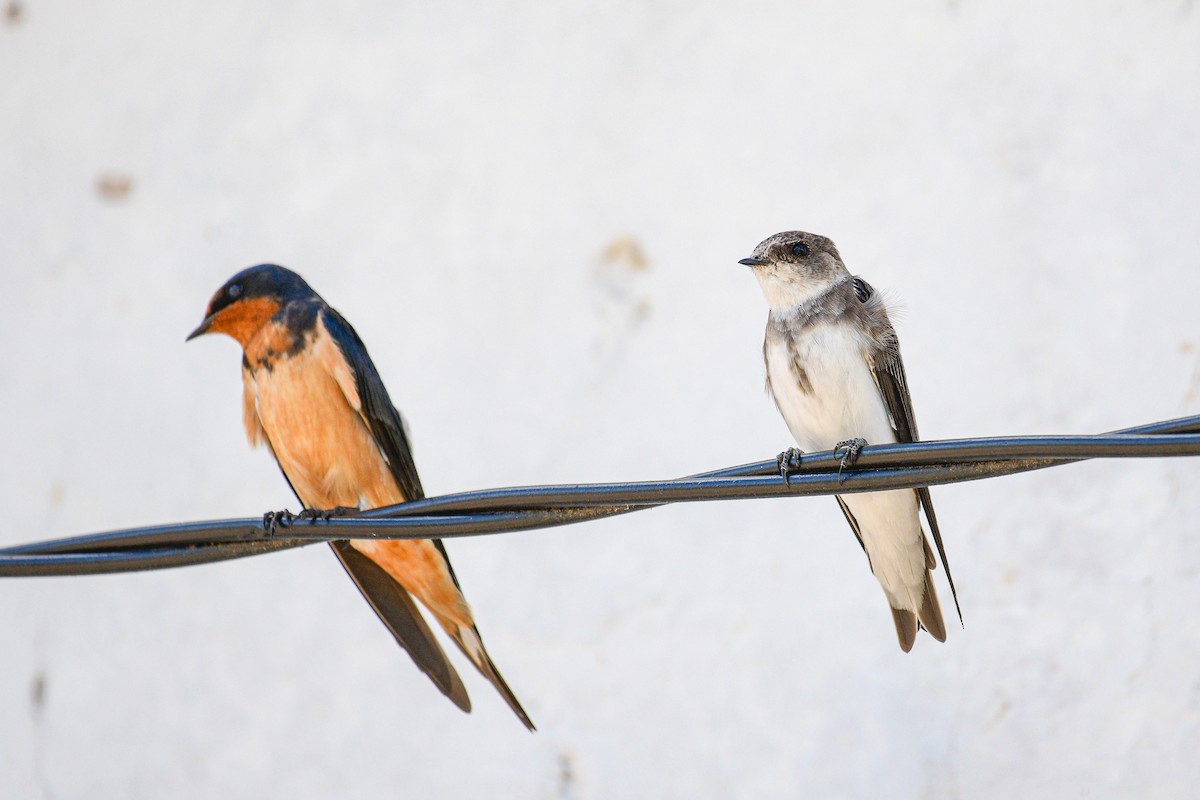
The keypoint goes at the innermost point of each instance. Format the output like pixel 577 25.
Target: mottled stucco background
pixel 532 213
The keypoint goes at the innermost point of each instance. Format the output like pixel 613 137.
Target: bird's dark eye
pixel 800 249
pixel 234 290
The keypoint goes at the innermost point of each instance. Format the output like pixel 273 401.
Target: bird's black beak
pixel 754 261
pixel 203 329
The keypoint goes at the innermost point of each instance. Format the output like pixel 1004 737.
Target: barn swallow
pixel 312 395
pixel 834 370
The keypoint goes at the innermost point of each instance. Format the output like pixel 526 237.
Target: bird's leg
pixel 273 521
pixel 789 462
pixel 852 447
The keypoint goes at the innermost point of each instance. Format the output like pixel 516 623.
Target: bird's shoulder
pixel 870 313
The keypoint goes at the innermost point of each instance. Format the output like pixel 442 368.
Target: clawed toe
pixel 788 462
pixel 273 521
pixel 847 451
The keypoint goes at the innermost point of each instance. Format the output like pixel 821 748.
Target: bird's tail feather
pixel 928 617
pixel 906 627
pixel 931 611
pixel 469 641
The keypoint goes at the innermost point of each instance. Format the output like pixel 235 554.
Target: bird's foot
pixel 274 521
pixel 852 448
pixel 789 462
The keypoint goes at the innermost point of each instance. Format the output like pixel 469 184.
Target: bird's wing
pixel 369 397
pixel 888 370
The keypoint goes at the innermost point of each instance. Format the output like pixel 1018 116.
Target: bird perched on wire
pixel 834 370
pixel 314 398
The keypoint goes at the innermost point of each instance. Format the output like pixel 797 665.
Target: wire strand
pixel 493 511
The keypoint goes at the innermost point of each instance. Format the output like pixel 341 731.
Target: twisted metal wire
pixel 491 511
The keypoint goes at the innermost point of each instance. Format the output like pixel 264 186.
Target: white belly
pixel 843 402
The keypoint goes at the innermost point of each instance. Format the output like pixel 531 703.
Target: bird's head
pixel 249 299
pixel 795 266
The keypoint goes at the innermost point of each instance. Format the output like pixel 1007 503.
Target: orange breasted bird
pixel 312 395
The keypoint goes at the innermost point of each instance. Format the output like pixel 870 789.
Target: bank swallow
pixel 834 370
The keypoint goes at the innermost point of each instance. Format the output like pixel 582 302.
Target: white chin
pixel 789 292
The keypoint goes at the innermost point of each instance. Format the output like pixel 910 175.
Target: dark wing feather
pixel 399 613
pixel 888 370
pixel 382 418
pixel 853 525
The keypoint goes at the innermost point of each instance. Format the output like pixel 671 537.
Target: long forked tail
pixel 469 641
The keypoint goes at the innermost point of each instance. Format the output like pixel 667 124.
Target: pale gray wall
pixel 1022 177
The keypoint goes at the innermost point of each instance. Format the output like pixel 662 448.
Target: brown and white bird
pixel 834 370
pixel 312 395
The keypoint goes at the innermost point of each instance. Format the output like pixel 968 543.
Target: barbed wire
pixel 492 511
